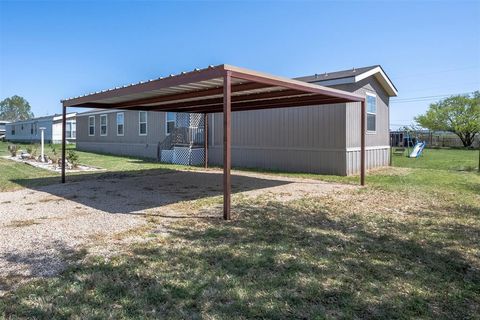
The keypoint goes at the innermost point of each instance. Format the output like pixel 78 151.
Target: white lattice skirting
pixel 183 155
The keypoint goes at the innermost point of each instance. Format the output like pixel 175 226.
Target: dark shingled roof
pixel 336 75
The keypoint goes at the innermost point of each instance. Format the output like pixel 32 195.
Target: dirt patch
pixel 42 229
pixel 391 171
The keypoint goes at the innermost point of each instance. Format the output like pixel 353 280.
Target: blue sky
pixel 53 50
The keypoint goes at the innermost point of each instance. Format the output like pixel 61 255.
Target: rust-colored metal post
pixel 64 124
pixel 362 144
pixel 227 155
pixel 205 138
pixel 391 150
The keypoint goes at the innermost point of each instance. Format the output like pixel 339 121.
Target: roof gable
pixel 352 76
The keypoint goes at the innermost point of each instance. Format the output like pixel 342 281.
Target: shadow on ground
pixel 133 192
pixel 40 264
pixel 282 261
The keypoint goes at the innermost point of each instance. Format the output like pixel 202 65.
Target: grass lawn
pixel 405 246
pixel 446 159
pixel 17 175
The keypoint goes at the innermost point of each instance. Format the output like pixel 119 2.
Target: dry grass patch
pixel 21 223
pixel 50 199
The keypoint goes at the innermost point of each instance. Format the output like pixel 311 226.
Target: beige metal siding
pixel 315 127
pixel 296 160
pixel 381 136
pixel 303 139
pixel 131 143
pixel 378 150
pixel 142 150
pixel 318 139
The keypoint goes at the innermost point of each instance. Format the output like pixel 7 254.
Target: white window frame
pixel 374 113
pixel 166 123
pixel 123 123
pixel 69 133
pixel 146 123
pixel 91 125
pixel 106 125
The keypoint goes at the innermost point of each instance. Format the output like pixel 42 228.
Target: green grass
pixel 441 159
pixel 17 175
pixel 13 171
pixel 406 246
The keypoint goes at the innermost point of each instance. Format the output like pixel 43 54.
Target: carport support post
pixel 227 156
pixel 205 138
pixel 362 144
pixel 64 124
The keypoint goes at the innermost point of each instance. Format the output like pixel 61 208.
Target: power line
pixel 442 87
pixel 438 71
pixel 427 98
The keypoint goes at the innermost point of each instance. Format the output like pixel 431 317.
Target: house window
pixel 13 130
pixel 371 113
pixel 31 129
pixel 71 130
pixel 120 123
pixel 142 123
pixel 170 122
pixel 103 124
pixel 91 125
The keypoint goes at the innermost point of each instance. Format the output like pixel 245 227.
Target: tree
pixel 15 108
pixel 459 114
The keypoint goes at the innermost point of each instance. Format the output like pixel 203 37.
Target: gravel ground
pixel 40 229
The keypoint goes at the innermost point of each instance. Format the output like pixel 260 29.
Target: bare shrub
pixel 13 148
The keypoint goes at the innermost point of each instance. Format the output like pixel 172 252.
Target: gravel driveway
pixel 41 228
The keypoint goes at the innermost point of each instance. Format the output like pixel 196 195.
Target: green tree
pixel 459 114
pixel 15 108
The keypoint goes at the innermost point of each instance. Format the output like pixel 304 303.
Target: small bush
pixel 13 148
pixel 34 151
pixel 53 156
pixel 72 157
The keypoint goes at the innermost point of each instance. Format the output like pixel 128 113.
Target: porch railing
pixel 182 137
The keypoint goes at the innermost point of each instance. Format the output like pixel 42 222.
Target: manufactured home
pixel 2 128
pixel 29 130
pixel 318 138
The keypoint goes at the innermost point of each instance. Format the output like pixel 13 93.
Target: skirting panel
pixel 375 158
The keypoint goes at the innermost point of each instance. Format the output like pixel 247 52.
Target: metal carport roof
pixel 223 88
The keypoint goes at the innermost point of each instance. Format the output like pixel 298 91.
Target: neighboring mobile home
pixel 318 139
pixel 2 129
pixel 29 130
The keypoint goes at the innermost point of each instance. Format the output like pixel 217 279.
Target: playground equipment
pixel 407 142
pixel 417 150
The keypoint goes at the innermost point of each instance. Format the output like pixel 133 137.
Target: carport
pixel 222 88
